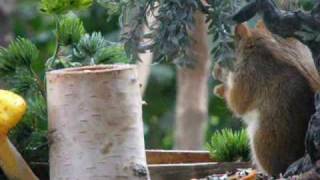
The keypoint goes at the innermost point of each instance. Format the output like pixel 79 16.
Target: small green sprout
pixel 114 53
pixel 228 145
pixel 70 30
pixel 94 49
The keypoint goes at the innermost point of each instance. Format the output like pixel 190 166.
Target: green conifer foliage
pixel 228 145
pixel 19 70
pixel 70 30
pixel 63 6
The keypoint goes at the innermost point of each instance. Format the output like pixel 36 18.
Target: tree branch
pixel 286 23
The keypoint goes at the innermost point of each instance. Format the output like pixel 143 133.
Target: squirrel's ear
pixel 260 26
pixel 242 31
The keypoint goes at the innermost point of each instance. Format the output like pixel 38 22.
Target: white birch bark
pixel 95 124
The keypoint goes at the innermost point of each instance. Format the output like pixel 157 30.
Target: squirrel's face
pixel 247 40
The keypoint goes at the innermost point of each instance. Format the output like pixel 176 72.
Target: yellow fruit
pixel 12 108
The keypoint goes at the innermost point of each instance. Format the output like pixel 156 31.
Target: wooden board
pixel 192 170
pixel 173 165
pixel 177 156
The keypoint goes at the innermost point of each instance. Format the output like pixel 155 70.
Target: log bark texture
pixel 192 95
pixel 95 124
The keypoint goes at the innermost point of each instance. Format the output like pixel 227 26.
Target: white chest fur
pixel 252 120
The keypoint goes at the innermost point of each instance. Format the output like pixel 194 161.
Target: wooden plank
pixel 174 171
pixel 177 156
pixel 193 170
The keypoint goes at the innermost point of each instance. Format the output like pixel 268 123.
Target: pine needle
pixel 94 49
pixel 70 30
pixel 22 52
pixel 228 145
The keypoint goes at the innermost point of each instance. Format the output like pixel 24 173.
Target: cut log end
pixel 93 69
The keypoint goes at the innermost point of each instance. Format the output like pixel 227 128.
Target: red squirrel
pixel 271 87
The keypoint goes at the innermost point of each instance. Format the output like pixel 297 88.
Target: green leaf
pixel 112 7
pixel 169 38
pixel 307 4
pixel 70 30
pixel 38 109
pixel 22 82
pixel 63 6
pixel 222 30
pixel 80 4
pixel 30 136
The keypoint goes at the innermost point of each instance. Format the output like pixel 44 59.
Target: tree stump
pixel 95 123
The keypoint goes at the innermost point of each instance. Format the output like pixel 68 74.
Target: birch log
pixel 192 96
pixel 95 124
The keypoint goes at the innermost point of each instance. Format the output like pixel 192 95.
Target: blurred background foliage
pixel 27 21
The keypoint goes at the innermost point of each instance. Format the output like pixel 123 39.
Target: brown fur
pixel 275 77
pixel 293 52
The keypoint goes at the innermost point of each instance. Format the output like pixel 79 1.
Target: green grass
pixel 228 145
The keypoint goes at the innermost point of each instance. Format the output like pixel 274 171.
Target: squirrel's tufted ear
pixel 242 31
pixel 261 27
